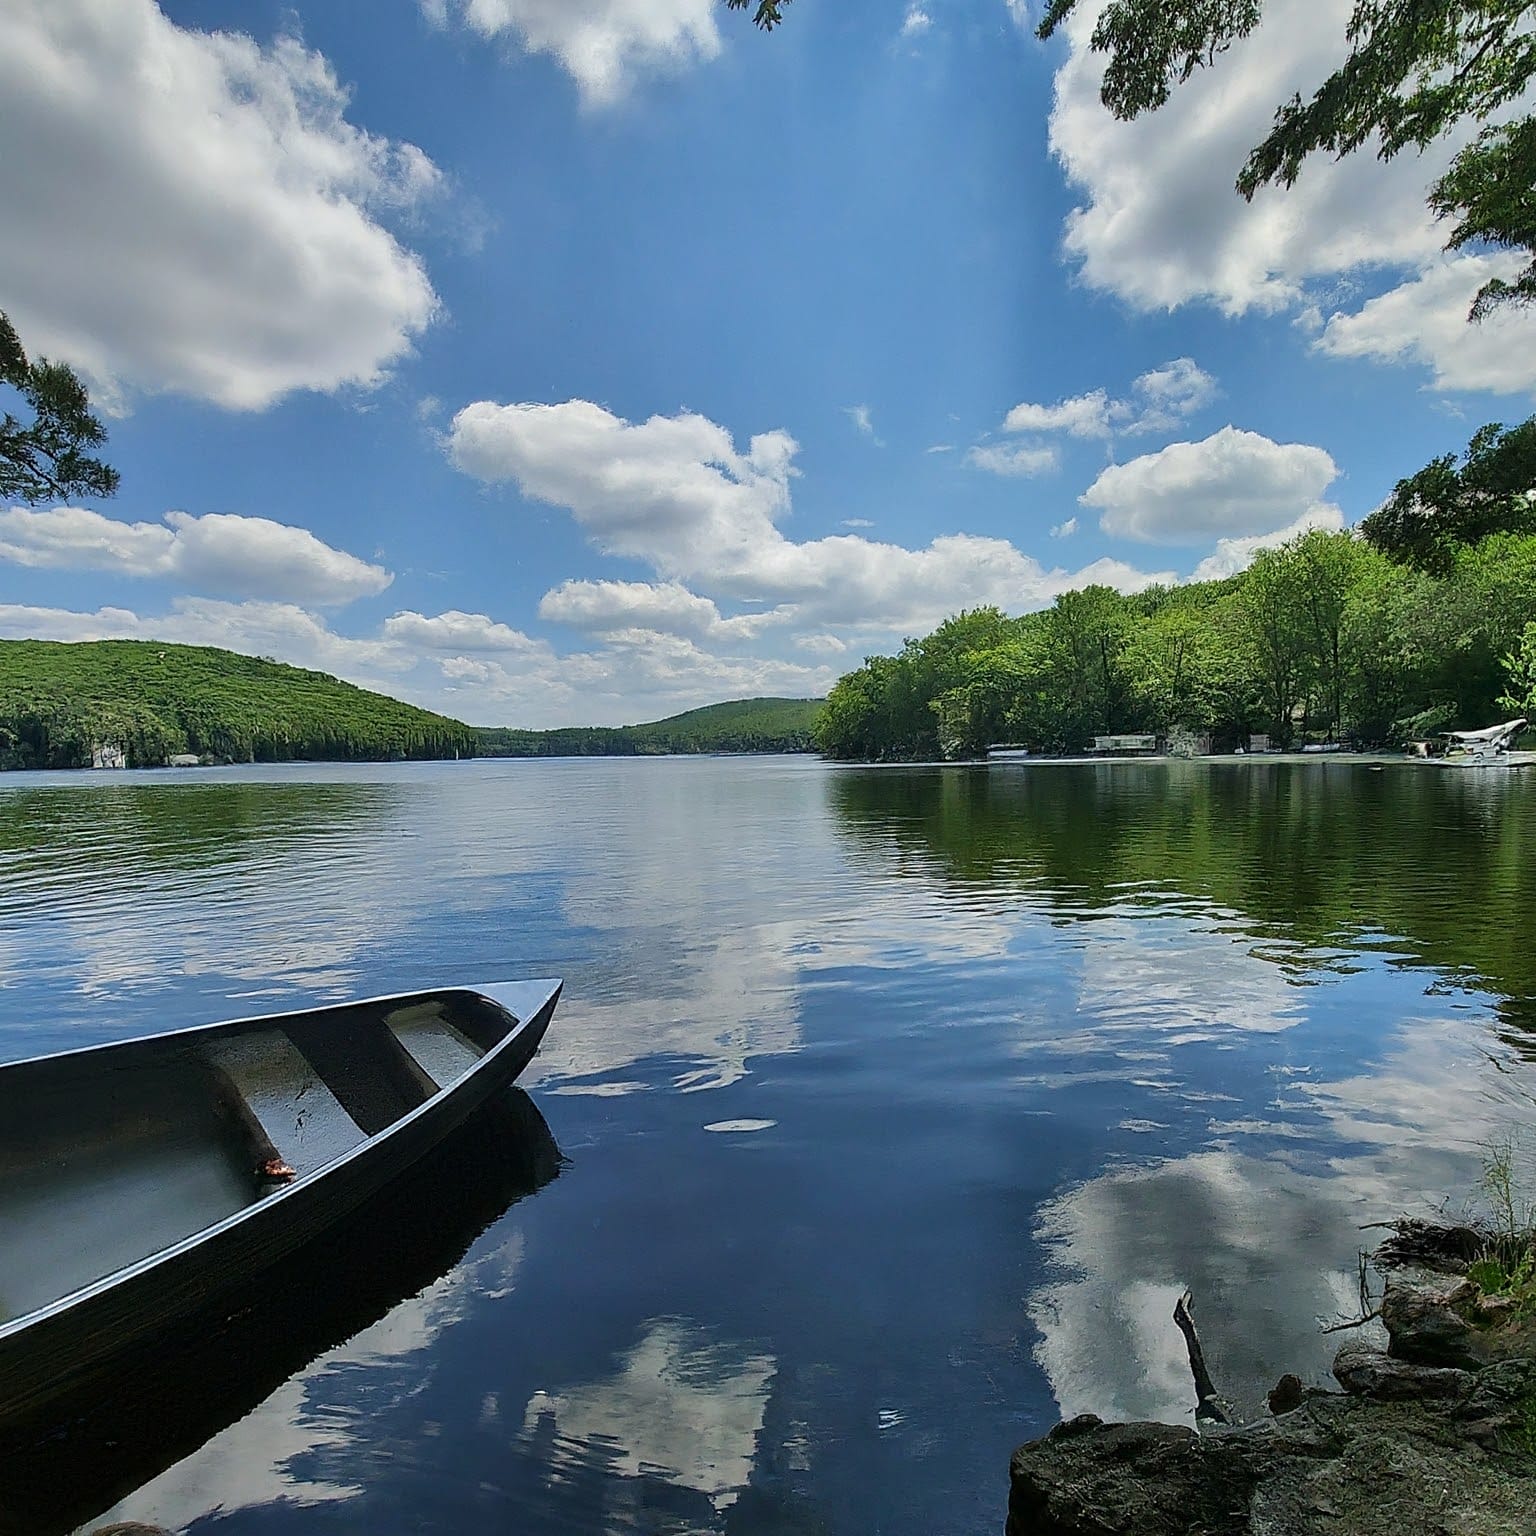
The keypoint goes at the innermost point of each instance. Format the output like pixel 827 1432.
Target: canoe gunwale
pixel 536 998
pixel 497 992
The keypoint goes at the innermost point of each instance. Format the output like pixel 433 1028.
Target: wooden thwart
pixel 290 1110
pixel 443 1052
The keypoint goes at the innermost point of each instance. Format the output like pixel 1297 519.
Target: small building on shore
pixel 1135 743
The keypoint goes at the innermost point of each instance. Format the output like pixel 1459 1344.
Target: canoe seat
pixel 442 1051
pixel 275 1084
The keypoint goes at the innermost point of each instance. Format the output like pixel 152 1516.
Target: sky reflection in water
pixel 899 1104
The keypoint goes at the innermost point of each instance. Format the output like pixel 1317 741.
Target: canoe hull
pixel 68 1466
pixel 55 1351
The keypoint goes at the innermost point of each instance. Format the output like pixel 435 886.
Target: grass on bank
pixel 1506 1268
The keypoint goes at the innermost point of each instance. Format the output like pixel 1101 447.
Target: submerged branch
pixel 1353 1322
pixel 1208 1400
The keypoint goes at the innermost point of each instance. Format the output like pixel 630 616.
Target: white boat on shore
pixel 1491 745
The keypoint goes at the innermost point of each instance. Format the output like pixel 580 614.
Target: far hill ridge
pixel 143 702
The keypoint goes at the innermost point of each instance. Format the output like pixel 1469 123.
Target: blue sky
pixel 581 361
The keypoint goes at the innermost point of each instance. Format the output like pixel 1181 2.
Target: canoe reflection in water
pixel 176 1391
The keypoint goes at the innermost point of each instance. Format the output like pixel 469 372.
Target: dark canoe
pixel 137 1180
pixel 64 1468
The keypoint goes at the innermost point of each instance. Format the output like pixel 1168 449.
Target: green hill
pixel 744 725
pixel 58 701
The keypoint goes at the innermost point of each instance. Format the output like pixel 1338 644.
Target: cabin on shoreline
pixel 1135 745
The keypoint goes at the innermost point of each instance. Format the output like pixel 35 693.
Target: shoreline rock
pixel 1435 1436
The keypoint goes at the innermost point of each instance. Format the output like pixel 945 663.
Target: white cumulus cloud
pixel 1234 484
pixel 455 631
pixel 1233 555
pixel 1425 321
pixel 220 552
pixel 1159 399
pixel 822 645
pixel 246 256
pixel 1013 460
pixel 1161 226
pixel 671 490
pixel 1162 398
pixel 676 493
pixel 668 607
pixel 1081 416
pixel 602 44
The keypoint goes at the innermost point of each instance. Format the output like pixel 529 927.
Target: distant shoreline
pixel 87 771
pixel 1356 759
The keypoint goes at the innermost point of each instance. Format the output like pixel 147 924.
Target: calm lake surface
pixel 897 1106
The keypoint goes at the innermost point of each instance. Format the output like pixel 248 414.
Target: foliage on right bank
pixel 1423 620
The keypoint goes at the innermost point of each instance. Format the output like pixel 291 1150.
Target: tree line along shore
pixel 1421 620
pixel 1324 639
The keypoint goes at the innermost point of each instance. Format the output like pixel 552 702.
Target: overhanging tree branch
pixel 768 13
pixel 46 458
pixel 1413 71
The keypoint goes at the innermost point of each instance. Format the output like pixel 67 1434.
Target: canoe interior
pixel 108 1157
pixel 173 1390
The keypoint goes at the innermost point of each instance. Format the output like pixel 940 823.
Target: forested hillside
pixel 744 725
pixel 59 700
pixel 1324 639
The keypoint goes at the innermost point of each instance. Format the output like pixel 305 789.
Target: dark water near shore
pixel 898 1105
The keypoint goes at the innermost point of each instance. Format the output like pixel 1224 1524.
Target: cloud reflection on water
pixel 681 1407
pixel 1259 1246
pixel 1179 979
pixel 1263 1225
pixel 280 1451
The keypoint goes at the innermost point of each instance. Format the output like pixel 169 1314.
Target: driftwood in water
pixel 1208 1400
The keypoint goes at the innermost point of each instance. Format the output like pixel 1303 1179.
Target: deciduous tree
pixel 1432 514
pixel 765 13
pixel 1276 631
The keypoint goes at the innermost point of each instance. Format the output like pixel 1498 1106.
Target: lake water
pixel 897 1106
